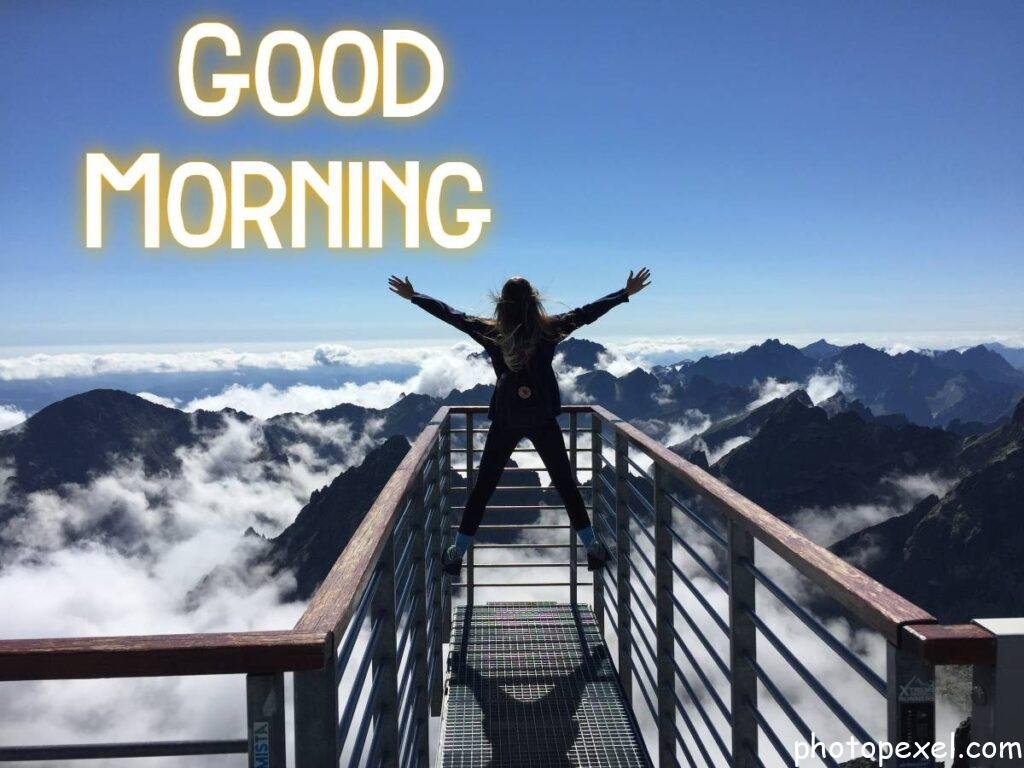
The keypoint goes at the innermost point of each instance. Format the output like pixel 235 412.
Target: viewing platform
pixel 714 637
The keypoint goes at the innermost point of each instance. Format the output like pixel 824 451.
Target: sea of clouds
pixel 122 555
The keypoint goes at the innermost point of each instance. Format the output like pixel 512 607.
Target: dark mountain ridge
pixel 801 457
pixel 962 556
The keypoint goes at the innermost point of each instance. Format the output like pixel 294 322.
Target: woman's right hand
pixel 401 286
pixel 635 284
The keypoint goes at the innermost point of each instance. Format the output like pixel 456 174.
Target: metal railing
pixel 690 602
pixel 708 600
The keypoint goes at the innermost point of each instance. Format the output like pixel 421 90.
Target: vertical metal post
pixel 469 489
pixel 625 639
pixel 595 511
pixel 910 696
pixel 264 697
pixel 316 715
pixel 418 619
pixel 573 588
pixel 742 648
pixel 446 476
pixel 385 662
pixel 998 696
pixel 435 575
pixel 664 616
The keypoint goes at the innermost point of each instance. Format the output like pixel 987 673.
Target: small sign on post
pixel 911 697
pixel 265 715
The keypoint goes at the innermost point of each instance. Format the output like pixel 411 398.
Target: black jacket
pixel 539 367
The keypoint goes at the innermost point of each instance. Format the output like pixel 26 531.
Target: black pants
pixel 547 439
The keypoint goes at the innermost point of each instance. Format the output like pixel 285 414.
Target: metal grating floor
pixel 532 685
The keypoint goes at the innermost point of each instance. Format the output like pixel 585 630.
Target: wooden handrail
pixel 335 600
pixel 160 655
pixel 957 644
pixel 874 604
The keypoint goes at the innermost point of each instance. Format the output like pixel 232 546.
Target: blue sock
pixel 462 542
pixel 587 536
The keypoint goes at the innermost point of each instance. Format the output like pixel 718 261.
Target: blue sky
pixel 784 169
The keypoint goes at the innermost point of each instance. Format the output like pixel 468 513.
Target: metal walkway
pixel 532 685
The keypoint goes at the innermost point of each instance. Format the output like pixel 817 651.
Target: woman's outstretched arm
pixel 588 313
pixel 473 326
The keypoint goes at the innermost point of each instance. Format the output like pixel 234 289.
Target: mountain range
pixel 748 416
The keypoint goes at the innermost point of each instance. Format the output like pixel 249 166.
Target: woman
pixel 520 340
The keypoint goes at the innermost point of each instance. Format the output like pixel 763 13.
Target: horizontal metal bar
pixel 565 431
pixel 712 652
pixel 404 637
pixel 134 749
pixel 787 708
pixel 524 527
pixel 481 450
pixel 526 546
pixel 504 585
pixel 819 690
pixel 708 528
pixel 643 689
pixel 481 410
pixel 522 564
pixel 681 709
pixel 542 468
pixel 522 488
pixel 636 548
pixel 704 604
pixel 682 744
pixel 854 661
pixel 607 483
pixel 407 736
pixel 780 748
pixel 638 468
pixel 640 496
pixel 507 507
pixel 358 680
pixel 355 626
pixel 726 752
pixel 715 575
pixel 641 524
pixel 364 725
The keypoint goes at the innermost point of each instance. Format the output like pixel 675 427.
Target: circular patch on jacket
pixel 524 392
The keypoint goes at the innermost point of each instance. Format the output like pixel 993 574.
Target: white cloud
pixel 693 423
pixel 439 374
pixel 624 354
pixel 167 402
pixel 56 365
pixel 267 400
pixel 566 375
pixel 822 386
pixel 819 387
pixel 6 475
pixel 11 417
pixel 897 495
pixel 771 389
pixel 726 448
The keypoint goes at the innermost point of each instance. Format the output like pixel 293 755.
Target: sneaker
pixel 451 561
pixel 597 557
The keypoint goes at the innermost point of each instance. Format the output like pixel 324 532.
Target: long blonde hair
pixel 519 322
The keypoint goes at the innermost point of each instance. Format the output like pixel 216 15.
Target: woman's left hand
pixel 636 283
